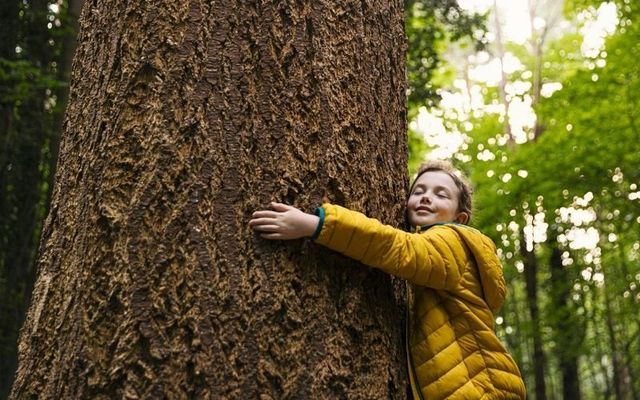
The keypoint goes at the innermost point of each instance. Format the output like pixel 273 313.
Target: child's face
pixel 434 198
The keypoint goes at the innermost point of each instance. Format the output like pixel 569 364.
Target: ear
pixel 462 218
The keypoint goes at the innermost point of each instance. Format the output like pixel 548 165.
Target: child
pixel 455 274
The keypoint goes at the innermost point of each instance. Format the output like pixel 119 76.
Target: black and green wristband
pixel 319 211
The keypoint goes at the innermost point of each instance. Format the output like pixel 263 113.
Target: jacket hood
pixel 490 271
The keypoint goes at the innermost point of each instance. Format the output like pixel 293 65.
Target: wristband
pixel 320 213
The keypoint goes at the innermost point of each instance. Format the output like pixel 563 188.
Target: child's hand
pixel 284 222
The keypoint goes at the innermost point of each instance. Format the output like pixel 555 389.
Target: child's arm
pixel 435 259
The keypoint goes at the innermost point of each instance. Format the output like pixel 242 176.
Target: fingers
pixel 278 236
pixel 264 214
pixel 255 222
pixel 272 236
pixel 276 208
pixel 271 224
pixel 280 206
pixel 267 228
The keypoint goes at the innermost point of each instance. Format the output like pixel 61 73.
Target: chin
pixel 421 222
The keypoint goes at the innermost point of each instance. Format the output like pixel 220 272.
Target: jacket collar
pixel 423 228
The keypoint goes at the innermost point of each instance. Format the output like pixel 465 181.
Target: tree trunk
pixel 629 338
pixel 9 29
pixel 597 376
pixel 183 118
pixel 531 283
pixel 618 382
pixel 68 48
pixel 600 351
pixel 502 85
pixel 512 318
pixel 567 326
pixel 622 382
pixel 8 304
pixel 23 133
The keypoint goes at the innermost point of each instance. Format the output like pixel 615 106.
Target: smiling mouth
pixel 424 209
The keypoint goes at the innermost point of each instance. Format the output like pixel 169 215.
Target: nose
pixel 426 198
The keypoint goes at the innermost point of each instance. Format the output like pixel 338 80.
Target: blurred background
pixel 536 100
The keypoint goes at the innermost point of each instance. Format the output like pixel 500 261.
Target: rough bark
pixel 183 118
pixel 68 48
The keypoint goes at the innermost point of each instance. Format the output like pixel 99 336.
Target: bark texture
pixel 183 118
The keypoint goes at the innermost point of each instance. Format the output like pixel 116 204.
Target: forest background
pixel 543 119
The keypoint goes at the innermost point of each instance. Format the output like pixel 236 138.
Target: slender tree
pixel 9 310
pixel 530 262
pixel 502 85
pixel 183 118
pixel 564 319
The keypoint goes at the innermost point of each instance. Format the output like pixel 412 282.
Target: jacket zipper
pixel 413 379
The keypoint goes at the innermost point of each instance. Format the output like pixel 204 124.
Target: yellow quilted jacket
pixel 457 285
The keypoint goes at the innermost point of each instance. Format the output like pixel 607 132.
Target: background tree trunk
pixel 24 132
pixel 184 118
pixel 564 316
pixel 9 307
pixel 531 283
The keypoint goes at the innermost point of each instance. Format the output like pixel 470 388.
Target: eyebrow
pixel 437 188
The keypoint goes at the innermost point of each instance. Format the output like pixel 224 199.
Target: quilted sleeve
pixel 435 258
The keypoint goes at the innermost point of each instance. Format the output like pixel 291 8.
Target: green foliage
pixel 21 79
pixel 431 25
pixel 573 7
pixel 30 108
pixel 585 160
pixel 593 120
pixel 587 146
pixel 417 149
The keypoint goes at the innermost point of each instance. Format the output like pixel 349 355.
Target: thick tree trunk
pixel 183 118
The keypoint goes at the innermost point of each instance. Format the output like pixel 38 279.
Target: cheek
pixel 452 208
